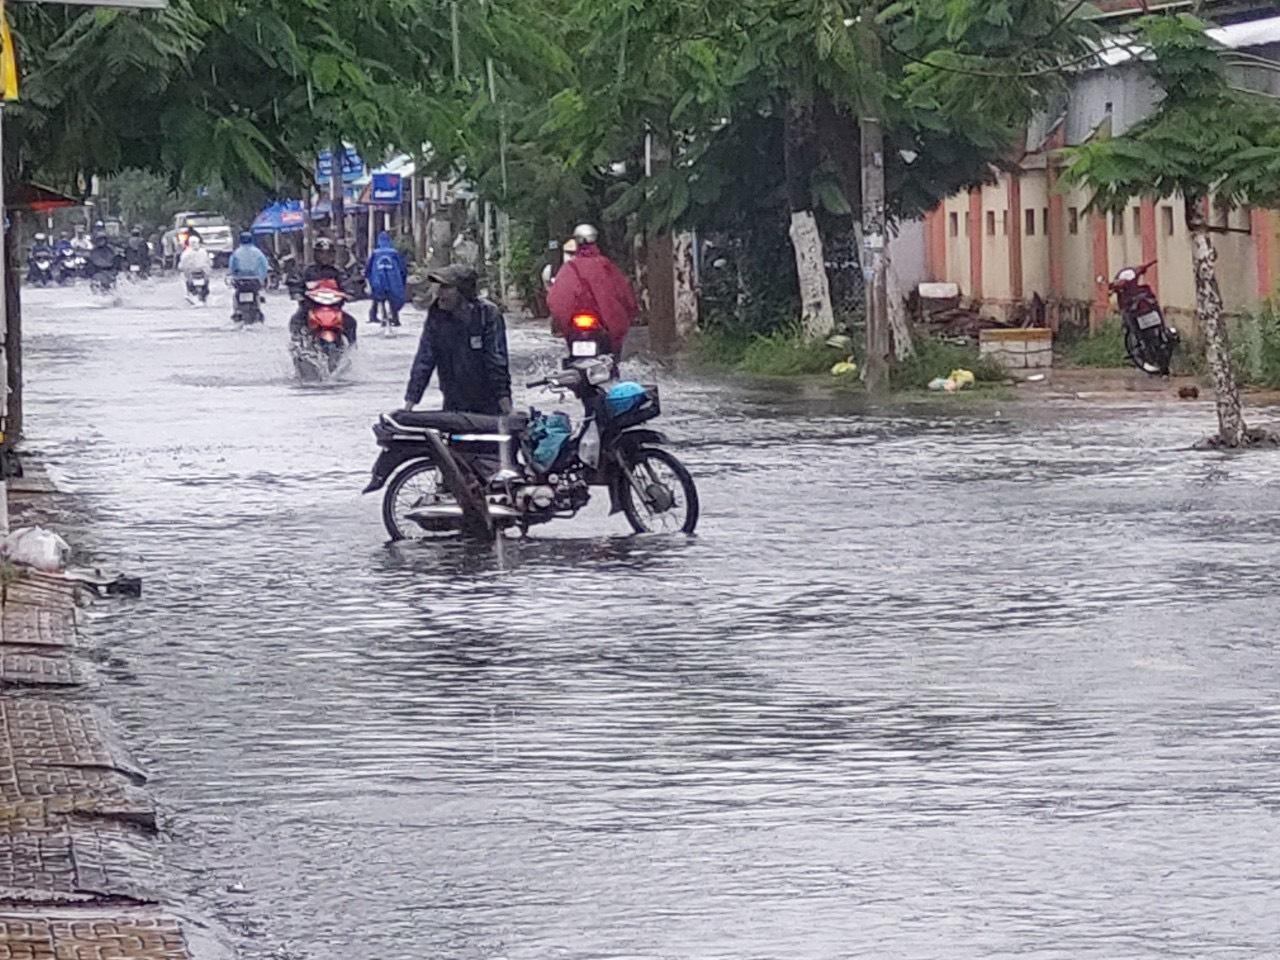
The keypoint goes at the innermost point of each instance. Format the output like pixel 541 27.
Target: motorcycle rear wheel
pixel 412 487
pixel 662 476
pixel 1143 355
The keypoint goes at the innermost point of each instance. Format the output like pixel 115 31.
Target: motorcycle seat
pixel 449 422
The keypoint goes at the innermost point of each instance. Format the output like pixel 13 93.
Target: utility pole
pixel 337 203
pixel 874 232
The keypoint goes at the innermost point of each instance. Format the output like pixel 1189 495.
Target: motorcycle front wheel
pixel 658 493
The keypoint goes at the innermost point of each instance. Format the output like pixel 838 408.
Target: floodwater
pixel 1002 684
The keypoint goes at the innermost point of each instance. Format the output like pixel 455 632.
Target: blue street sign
pixel 352 166
pixel 387 189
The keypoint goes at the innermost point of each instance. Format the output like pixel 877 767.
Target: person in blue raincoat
pixel 387 276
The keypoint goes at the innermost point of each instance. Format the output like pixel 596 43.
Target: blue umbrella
pixel 283 217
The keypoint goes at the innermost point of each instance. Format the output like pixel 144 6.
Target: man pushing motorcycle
pixel 465 341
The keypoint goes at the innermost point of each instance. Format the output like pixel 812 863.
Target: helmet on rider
pixel 194 241
pixel 63 235
pixel 135 232
pixel 246 239
pixel 41 238
pixel 99 239
pixel 586 234
pixel 324 252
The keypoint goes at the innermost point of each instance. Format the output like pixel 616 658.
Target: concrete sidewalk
pixel 80 869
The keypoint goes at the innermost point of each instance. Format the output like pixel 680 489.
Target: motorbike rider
pixel 248 262
pixel 195 259
pixel 592 283
pixel 64 246
pixel 137 252
pixel 325 267
pixel 465 340
pixel 387 276
pixel 102 258
pixel 81 241
pixel 40 250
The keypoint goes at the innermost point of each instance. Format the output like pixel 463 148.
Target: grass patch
pixel 937 358
pixel 781 354
pixel 1103 348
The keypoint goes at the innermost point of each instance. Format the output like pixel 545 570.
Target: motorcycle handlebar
pixel 537 383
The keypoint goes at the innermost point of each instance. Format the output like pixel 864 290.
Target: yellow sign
pixel 8 59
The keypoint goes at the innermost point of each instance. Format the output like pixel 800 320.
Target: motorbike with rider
pixel 249 269
pixel 40 261
pixel 137 255
pixel 196 265
pixel 321 331
pixel 103 264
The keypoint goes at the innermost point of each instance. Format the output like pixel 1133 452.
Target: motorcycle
pixel 248 300
pixel 103 282
pixel 198 287
pixel 71 266
pixel 42 270
pixel 321 352
pixel 136 274
pixel 451 472
pixel 1149 340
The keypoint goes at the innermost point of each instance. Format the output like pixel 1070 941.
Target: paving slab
pixel 38 625
pixel 95 936
pixel 25 667
pixel 63 756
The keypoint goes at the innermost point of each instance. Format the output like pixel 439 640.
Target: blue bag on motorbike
pixel 548 434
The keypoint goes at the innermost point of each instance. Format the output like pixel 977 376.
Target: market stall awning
pixel 32 196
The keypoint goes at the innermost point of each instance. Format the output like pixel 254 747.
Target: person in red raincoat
pixel 592 283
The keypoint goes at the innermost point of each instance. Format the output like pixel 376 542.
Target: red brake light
pixel 585 321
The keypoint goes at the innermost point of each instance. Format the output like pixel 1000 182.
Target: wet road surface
pixel 991 686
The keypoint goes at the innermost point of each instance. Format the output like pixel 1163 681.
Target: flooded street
pixel 999 685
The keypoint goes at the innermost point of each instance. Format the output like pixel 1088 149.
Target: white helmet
pixel 195 243
pixel 586 233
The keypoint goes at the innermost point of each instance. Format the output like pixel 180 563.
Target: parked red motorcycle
pixel 1149 340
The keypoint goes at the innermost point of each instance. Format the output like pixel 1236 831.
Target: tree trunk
pixel 816 315
pixel 1209 313
pixel 13 425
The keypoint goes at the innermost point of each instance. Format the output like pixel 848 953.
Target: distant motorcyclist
pixel 195 259
pixel 591 283
pixel 249 262
pixel 40 250
pixel 137 252
pixel 103 263
pixel 387 276
pixel 81 241
pixel 324 268
pixel 64 246
pixel 465 341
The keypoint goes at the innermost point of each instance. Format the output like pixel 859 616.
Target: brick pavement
pixel 80 864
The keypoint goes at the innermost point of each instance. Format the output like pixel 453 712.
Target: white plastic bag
pixel 36 547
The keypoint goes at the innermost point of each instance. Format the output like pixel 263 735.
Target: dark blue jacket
pixel 387 273
pixel 470 354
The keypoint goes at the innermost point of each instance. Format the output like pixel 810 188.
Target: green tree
pixel 1206 140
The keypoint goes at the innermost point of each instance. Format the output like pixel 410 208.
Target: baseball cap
pixel 455 275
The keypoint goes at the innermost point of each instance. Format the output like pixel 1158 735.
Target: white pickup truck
pixel 215 232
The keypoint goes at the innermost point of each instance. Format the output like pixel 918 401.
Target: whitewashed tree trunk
pixel 1209 313
pixel 686 288
pixel 816 314
pixel 899 325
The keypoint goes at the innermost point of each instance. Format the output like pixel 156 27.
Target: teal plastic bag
pixel 547 435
